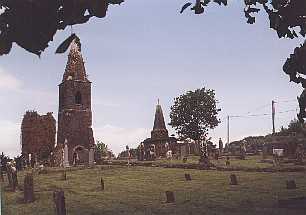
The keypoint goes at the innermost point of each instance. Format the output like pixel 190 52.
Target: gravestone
pixel 227 163
pixel 234 180
pixel 15 179
pixel 187 177
pixel 102 184
pixel 91 156
pixel 64 176
pixel 291 184
pixel 9 175
pixel 28 188
pixel 170 197
pixel 1 175
pixel 185 160
pixel 12 176
pixel 59 201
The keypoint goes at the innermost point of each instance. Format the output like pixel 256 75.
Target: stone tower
pixel 159 129
pixel 74 113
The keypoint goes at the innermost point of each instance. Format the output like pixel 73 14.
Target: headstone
pixel 187 177
pixel 28 188
pixel 66 161
pixel 234 180
pixel 64 176
pixel 1 174
pixel 12 176
pixel 14 179
pixel 102 184
pixel 291 184
pixel 91 156
pixel 170 197
pixel 227 162
pixel 59 201
pixel 9 175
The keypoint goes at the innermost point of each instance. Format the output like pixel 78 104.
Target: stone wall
pixel 38 134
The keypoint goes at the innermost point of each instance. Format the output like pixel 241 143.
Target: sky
pixel 145 50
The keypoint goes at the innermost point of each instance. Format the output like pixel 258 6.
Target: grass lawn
pixel 141 190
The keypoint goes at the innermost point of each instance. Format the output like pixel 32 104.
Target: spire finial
pixel 158 101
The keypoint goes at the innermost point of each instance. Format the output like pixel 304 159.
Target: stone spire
pixel 159 128
pixel 75 69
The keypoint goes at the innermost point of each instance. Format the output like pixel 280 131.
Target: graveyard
pixel 155 111
pixel 141 190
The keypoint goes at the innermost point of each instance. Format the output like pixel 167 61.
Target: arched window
pixel 78 98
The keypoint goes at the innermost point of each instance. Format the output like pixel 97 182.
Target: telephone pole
pixel 273 117
pixel 228 129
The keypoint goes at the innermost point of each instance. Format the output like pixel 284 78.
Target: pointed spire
pixel 75 69
pixel 159 128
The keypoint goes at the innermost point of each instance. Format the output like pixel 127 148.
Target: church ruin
pixel 160 142
pixel 75 142
pixel 74 113
pixel 37 135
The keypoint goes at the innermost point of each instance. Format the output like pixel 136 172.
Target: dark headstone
pixel 185 160
pixel 14 179
pixel 59 201
pixel 64 176
pixel 187 177
pixel 102 184
pixel 28 188
pixel 291 184
pixel 227 163
pixel 170 197
pixel 234 180
pixel 9 176
pixel 1 175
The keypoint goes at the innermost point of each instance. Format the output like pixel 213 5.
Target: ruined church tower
pixel 74 113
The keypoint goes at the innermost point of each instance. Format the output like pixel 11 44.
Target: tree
pixel 32 24
pixel 194 113
pixel 102 148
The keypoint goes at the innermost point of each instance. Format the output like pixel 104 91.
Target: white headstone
pixel 91 156
pixel 66 161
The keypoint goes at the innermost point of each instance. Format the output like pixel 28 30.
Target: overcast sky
pixel 145 50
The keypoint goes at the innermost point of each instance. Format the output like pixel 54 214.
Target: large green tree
pixel 194 113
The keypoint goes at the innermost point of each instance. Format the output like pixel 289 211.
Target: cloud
pixel 8 81
pixel 117 138
pixel 10 138
pixel 105 103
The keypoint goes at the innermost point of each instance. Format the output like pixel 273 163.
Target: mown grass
pixel 141 190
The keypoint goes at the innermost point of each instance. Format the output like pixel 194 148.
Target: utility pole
pixel 228 129
pixel 273 117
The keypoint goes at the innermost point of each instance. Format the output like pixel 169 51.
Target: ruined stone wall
pixel 38 134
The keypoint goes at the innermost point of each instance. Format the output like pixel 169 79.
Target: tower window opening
pixel 78 98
